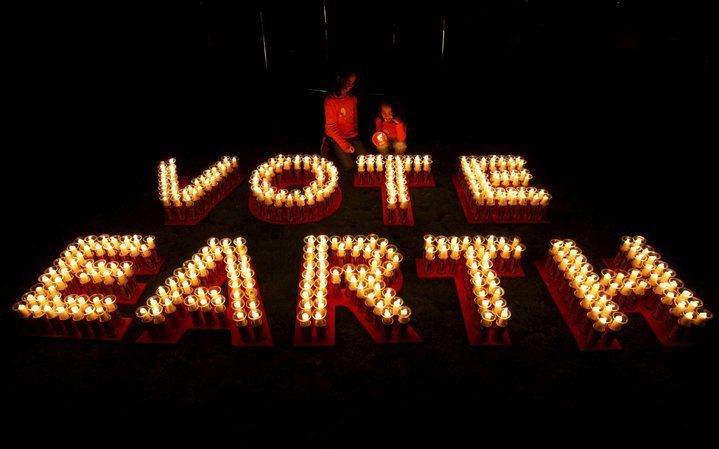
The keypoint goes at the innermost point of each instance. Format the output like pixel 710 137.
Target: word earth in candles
pixel 648 286
pixel 319 197
pixel 494 189
pixel 193 299
pixel 589 303
pixel 476 264
pixel 361 273
pixel 394 174
pixel 188 205
pixel 77 296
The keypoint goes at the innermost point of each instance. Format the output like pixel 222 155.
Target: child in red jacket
pixel 393 128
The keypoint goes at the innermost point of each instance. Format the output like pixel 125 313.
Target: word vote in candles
pixel 191 203
pixel 395 174
pixel 358 272
pixel 495 189
pixel 193 298
pixel 476 264
pixel 77 297
pixel 273 200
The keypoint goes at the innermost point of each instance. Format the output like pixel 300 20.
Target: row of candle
pixel 647 275
pixel 191 289
pixel 139 251
pixel 70 315
pixel 172 195
pixel 371 168
pixel 504 253
pixel 79 271
pixel 478 254
pixel 396 186
pixel 370 269
pixel 493 199
pixel 320 176
pixel 589 297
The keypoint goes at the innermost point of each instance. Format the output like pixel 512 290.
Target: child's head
pixel 386 111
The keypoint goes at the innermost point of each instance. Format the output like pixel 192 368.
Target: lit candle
pixel 618 320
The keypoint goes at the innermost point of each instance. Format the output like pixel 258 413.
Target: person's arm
pixel 331 115
pixel 377 124
pixel 401 131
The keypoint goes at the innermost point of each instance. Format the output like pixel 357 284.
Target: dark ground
pixel 602 128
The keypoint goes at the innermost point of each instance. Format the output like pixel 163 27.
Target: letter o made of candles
pixel 188 203
pixel 78 296
pixel 477 265
pixel 194 298
pixel 275 201
pixel 394 175
pixel 495 189
pixel 360 273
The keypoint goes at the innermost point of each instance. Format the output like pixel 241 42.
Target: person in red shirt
pixel 341 121
pixel 393 129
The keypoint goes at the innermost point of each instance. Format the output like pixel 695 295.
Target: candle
pixel 618 320
pixel 387 316
pixel 404 314
pixel 488 317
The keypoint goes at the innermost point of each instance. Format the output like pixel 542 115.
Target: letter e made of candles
pixel 394 175
pixel 360 273
pixel 194 297
pixel 495 189
pixel 78 296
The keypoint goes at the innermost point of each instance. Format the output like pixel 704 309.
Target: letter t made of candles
pixel 476 264
pixel 395 175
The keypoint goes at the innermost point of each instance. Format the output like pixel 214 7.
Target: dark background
pixel 611 102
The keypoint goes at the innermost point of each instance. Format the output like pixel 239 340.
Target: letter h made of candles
pixel 636 281
pixel 357 272
pixel 193 298
pixel 495 189
pixel 476 264
pixel 395 175
pixel 188 203
pixel 78 296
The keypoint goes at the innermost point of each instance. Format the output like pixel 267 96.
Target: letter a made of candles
pixel 194 298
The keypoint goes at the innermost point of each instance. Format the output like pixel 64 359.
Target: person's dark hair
pixel 397 108
pixel 341 76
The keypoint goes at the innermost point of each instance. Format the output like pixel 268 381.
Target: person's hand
pixel 350 149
